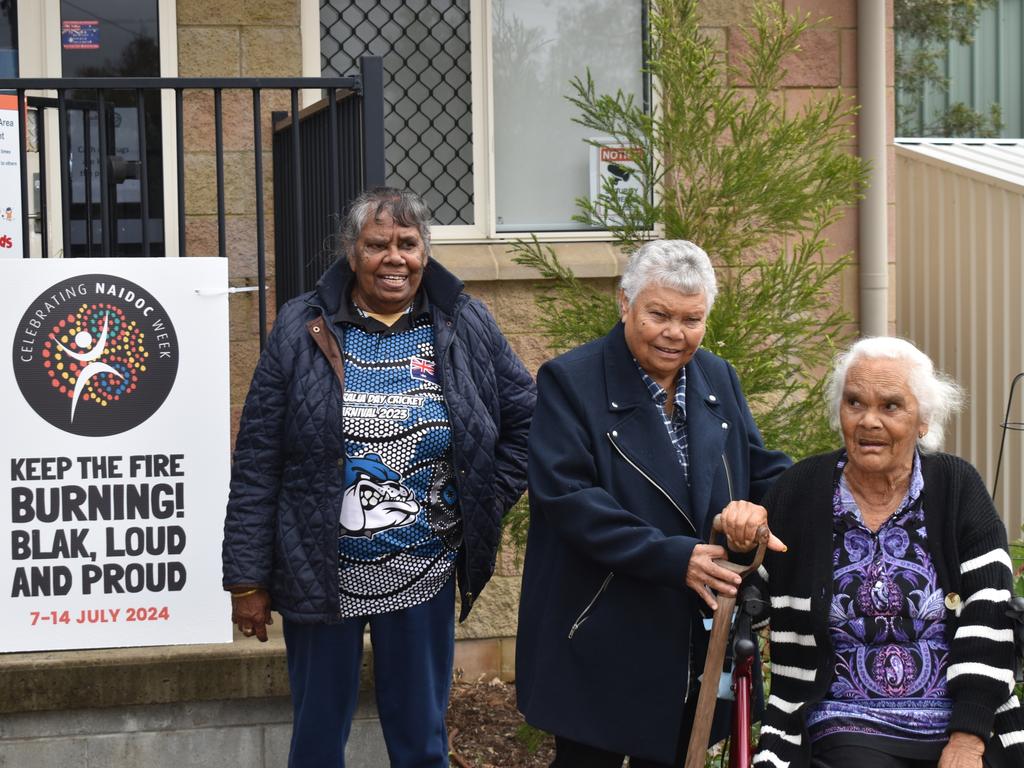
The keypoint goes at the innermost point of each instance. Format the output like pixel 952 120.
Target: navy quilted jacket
pixel 281 531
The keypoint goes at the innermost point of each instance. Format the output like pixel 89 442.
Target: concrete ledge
pixel 116 677
pixel 34 682
pixel 255 732
pixel 474 262
pixel 202 705
pixel 172 674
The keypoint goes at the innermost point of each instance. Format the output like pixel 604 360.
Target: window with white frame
pixel 437 55
pixel 541 158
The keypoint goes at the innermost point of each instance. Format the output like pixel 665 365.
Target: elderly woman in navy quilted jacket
pixel 382 441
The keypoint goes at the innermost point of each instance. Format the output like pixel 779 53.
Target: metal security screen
pixel 427 93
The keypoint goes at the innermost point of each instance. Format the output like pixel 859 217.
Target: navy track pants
pixel 413 651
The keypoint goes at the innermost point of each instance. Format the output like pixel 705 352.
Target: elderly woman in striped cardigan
pixel 889 583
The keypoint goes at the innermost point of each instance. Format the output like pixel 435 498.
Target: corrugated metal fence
pixel 959 282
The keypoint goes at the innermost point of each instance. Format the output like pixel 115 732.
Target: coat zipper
pixel 728 477
pixel 326 327
pixel 585 614
pixel 651 481
pixel 689 665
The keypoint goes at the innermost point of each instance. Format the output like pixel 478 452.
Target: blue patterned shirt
pixel 400 526
pixel 676 424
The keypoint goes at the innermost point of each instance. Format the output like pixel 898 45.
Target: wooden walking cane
pixel 696 750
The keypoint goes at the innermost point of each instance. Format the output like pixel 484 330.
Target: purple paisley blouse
pixel 887 625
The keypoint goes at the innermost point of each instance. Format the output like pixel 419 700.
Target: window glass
pixel 109 38
pixel 112 38
pixel 8 38
pixel 428 120
pixel 542 163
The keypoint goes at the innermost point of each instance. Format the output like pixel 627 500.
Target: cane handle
pixel 761 537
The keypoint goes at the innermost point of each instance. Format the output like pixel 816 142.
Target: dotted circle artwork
pixel 95 354
pixel 92 327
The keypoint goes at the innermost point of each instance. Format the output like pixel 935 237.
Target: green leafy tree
pixel 924 29
pixel 726 166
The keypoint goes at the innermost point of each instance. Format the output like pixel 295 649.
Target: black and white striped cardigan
pixel 967 541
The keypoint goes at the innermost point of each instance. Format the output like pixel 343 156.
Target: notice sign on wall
pixel 10 178
pixel 114 453
pixel 614 165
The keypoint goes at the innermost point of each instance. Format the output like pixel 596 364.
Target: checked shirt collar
pixel 676 424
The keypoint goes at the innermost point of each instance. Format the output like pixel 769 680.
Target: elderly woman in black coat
pixel 890 640
pixel 638 439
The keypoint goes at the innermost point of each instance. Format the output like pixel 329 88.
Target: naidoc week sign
pixel 113 453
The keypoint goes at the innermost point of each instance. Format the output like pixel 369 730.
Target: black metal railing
pixel 310 193
pixel 354 159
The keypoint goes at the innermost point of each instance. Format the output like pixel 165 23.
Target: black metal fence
pixel 318 170
pixel 98 217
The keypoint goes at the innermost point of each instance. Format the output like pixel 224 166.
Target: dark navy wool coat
pixel 281 531
pixel 606 621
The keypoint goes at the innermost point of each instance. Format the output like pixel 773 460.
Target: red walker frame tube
pixel 739 744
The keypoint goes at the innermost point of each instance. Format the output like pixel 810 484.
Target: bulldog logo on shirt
pixel 375 499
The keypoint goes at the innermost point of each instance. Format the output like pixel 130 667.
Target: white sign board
pixel 11 243
pixel 114 453
pixel 614 163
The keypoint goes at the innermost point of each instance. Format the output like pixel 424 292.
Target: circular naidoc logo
pixel 95 355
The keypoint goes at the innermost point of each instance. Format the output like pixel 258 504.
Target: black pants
pixel 852 756
pixel 572 754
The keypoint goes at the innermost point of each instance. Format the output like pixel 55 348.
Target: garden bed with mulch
pixel 485 730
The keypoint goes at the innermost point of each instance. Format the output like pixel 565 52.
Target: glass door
pixel 113 38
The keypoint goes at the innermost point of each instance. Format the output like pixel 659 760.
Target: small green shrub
pixel 531 738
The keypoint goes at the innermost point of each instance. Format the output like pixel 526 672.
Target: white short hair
pixel 676 264
pixel 938 396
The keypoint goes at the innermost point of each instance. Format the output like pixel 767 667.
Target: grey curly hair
pixel 405 207
pixel 676 264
